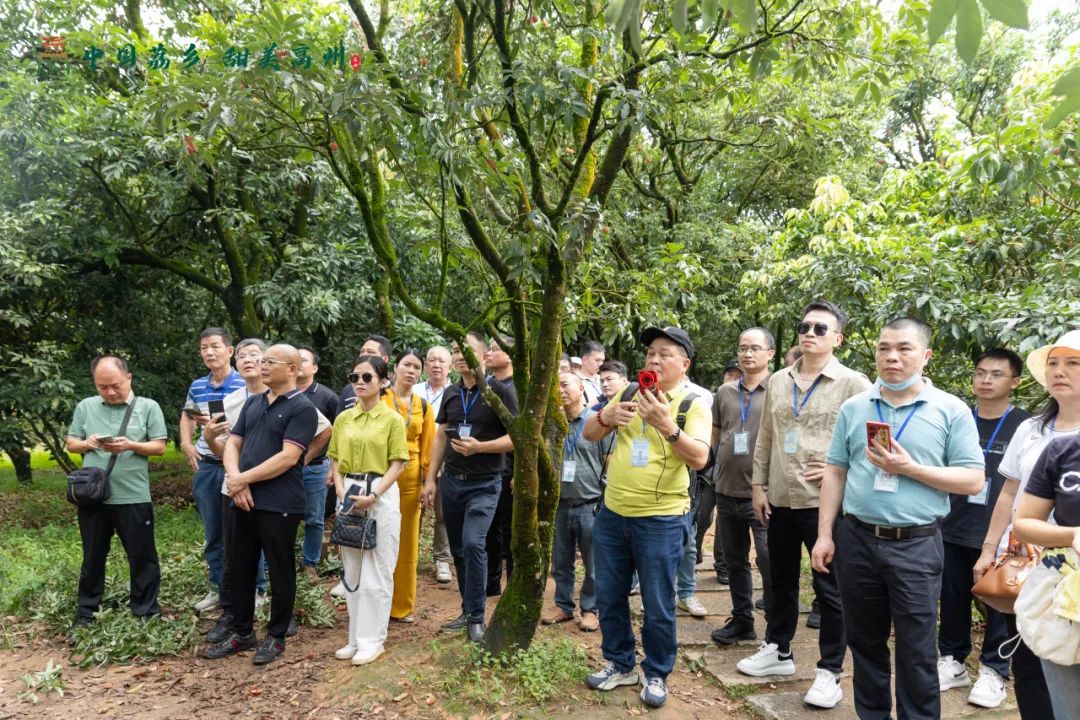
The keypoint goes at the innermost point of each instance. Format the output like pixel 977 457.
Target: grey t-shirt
pixel 588 460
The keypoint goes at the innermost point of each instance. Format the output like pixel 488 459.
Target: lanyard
pixel 467 406
pixel 570 445
pixel 408 407
pixel 744 409
pixel 914 409
pixel 997 429
pixel 796 406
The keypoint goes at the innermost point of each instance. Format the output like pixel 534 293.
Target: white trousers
pixel 369 604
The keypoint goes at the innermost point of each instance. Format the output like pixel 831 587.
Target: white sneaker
pixel 693 606
pixel 766 661
pixel 338 590
pixel 951 673
pixel 346 653
pixel 989 689
pixel 825 692
pixel 208 603
pixel 442 572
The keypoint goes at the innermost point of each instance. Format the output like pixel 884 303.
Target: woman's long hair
pixel 1048 414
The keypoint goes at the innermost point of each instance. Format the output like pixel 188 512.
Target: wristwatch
pixel 675 435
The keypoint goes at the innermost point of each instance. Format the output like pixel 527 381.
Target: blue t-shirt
pixel 202 391
pixel 940 433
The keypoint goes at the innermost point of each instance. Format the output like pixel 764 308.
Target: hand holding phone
pixel 878 431
pixel 216 408
pixel 105 439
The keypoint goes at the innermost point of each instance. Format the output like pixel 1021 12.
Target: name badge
pixel 464 430
pixel 742 443
pixel 639 453
pixel 791 442
pixel 569 470
pixel 983 496
pixel 886 482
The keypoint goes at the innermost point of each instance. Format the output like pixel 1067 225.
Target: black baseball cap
pixel 672 333
pixel 732 364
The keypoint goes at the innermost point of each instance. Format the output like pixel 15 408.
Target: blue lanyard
pixel 744 409
pixel 467 406
pixel 570 446
pixel 408 407
pixel 997 429
pixel 796 406
pixel 914 409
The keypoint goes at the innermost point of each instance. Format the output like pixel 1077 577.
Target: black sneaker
pixel 234 644
pixel 476 632
pixel 734 631
pixel 813 620
pixel 759 604
pixel 458 623
pixel 293 627
pixel 722 576
pixel 269 651
pixel 221 631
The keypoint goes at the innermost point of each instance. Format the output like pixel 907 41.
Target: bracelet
pixel 600 420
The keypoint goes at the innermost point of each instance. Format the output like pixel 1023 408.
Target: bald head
pixel 280 364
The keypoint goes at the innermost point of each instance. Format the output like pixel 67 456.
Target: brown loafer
pixel 589 622
pixel 556 616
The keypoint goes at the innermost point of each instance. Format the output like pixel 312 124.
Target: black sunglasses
pixel 819 328
pixel 357 377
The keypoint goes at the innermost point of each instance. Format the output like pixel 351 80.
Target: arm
pixel 268 469
pixel 656 412
pixel 1031 526
pixel 338 480
pixel 147 448
pixel 321 441
pixel 759 481
pixel 471 446
pixel 364 502
pixel 959 480
pixel 438 452
pixel 615 415
pixel 216 434
pixel 80 446
pixel 998 522
pixel 829 504
pixel 427 439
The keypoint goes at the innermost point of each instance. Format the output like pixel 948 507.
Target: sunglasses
pixel 819 328
pixel 357 377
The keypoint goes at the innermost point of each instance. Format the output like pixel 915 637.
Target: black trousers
pixel 134 524
pixel 954 629
pixel 789 531
pixel 497 544
pixel 891 584
pixel 1032 697
pixel 736 518
pixel 274 535
pixel 707 500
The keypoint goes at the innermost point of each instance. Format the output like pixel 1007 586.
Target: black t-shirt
pixel 969 516
pixel 1056 476
pixel 508 383
pixel 346 401
pixel 486 425
pixel 265 427
pixel 325 401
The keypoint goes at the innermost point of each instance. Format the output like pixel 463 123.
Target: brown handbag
pixel 1000 586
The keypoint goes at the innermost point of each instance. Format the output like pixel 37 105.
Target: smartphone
pixel 217 408
pixel 191 412
pixel 881 431
pixel 102 439
pixel 346 505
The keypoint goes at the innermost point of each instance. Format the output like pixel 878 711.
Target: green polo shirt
pixel 129 481
pixel 367 441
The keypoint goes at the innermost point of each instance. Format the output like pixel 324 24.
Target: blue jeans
pixel 686 581
pixel 1063 682
pixel 315 511
pixel 573 531
pixel 653 546
pixel 468 507
pixel 206 490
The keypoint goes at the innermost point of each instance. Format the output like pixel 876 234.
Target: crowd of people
pixel 902 495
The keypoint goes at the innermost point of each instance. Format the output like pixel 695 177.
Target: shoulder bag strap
pixel 123 430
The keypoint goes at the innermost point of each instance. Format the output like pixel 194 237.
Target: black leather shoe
pixel 270 650
pixel 458 623
pixel 221 631
pixel 760 603
pixel 476 631
pixel 234 644
pixel 722 576
pixel 734 631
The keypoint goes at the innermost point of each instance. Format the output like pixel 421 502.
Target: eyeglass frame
pixel 820 329
pixel 355 377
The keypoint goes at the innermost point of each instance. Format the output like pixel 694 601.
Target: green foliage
pixel 49 680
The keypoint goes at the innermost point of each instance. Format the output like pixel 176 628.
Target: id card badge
pixel 791 442
pixel 983 496
pixel 742 443
pixel 886 482
pixel 464 430
pixel 569 469
pixel 639 453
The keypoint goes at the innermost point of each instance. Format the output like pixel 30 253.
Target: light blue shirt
pixel 941 433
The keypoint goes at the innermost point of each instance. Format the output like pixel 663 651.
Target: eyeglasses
pixel 357 377
pixel 752 350
pixel 271 361
pixel 254 357
pixel 995 375
pixel 819 328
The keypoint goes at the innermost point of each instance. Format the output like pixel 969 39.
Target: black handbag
pixel 89 486
pixel 354 531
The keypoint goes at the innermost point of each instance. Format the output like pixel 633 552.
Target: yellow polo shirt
pixel 660 486
pixel 367 441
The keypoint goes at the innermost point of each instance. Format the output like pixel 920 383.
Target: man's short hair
pixel 476 335
pixel 116 360
pixel 591 346
pixel 911 323
pixel 615 366
pixel 505 342
pixel 216 332
pixel 1014 360
pixel 313 351
pixel 248 342
pixel 764 331
pixel 384 343
pixel 831 308
pixel 569 373
pixel 437 347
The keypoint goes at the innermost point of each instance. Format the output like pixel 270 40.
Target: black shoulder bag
pixel 89 486
pixel 354 531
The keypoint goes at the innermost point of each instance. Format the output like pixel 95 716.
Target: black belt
pixel 886 532
pixel 362 476
pixel 472 477
pixel 579 503
pixel 211 459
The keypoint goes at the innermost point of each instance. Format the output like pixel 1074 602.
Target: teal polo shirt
pixel 129 482
pixel 941 433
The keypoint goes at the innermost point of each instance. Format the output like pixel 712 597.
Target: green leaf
pixel 710 10
pixel 969 30
pixel 941 15
pixel 745 14
pixel 1064 109
pixel 1068 83
pixel 678 16
pixel 1013 13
